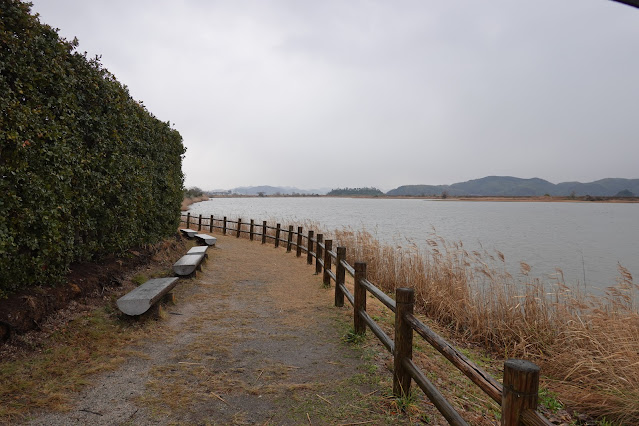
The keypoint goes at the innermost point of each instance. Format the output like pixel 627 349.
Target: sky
pixel 337 93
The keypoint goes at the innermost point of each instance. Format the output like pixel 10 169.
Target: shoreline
pixel 533 199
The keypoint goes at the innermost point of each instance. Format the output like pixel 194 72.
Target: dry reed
pixel 587 347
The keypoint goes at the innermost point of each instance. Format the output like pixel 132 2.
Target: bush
pixel 86 170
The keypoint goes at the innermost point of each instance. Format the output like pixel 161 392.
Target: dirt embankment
pixel 27 309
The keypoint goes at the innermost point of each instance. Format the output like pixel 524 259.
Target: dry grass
pixel 588 347
pixel 188 201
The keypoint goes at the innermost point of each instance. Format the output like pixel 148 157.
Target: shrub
pixel 86 170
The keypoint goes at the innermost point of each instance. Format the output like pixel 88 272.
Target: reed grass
pixel 587 346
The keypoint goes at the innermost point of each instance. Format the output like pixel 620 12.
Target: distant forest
pixel 355 191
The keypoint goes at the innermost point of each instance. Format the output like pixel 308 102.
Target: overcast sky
pixel 327 93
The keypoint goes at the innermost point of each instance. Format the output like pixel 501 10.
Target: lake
pixel 584 240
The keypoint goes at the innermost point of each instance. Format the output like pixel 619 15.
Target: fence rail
pixel 518 396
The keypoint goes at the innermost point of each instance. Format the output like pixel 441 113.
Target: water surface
pixel 584 240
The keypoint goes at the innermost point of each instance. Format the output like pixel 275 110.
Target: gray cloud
pixel 326 94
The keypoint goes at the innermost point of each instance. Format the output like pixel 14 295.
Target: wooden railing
pixel 517 396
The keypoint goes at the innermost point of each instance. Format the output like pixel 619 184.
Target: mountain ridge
pixel 510 186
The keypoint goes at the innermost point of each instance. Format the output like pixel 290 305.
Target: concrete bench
pixel 187 264
pixel 190 233
pixel 198 250
pixel 139 300
pixel 206 239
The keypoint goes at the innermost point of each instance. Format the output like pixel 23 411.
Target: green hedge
pixel 85 169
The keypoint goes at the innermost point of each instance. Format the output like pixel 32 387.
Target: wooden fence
pixel 517 396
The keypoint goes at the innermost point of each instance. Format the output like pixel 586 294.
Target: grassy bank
pixel 588 348
pixel 187 201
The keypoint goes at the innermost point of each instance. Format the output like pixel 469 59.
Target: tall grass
pixel 587 346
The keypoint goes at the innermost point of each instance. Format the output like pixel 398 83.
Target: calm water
pixel 585 240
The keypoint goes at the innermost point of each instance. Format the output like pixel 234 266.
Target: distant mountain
pixel 276 190
pixel 509 186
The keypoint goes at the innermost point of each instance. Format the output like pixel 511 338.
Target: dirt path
pixel 254 339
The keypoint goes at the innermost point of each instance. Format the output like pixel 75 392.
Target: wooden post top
pixel 404 295
pixel 522 365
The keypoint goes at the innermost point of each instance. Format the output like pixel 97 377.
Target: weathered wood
pixel 224 226
pixel 405 300
pixel 251 230
pixel 434 395
pixel 211 224
pixel 328 246
pixel 379 295
pixel 533 418
pixel 238 230
pixel 264 232
pixel 359 294
pixel 199 223
pixel 188 220
pixel 347 294
pixel 190 233
pixel 377 331
pixel 309 247
pixel 318 253
pixel 206 239
pixel 340 276
pixel 187 264
pixel 521 387
pixel 298 249
pixel 289 239
pixel 278 231
pixel 139 300
pixel 478 376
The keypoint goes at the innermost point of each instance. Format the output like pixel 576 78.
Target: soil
pixel 252 339
pixel 28 309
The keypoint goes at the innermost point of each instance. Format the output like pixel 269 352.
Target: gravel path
pixel 253 339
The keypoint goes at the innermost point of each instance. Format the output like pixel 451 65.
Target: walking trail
pixel 253 339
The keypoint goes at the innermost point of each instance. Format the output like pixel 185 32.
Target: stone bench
pixel 187 264
pixel 190 233
pixel 139 300
pixel 206 239
pixel 198 250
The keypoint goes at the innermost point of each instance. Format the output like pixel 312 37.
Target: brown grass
pixel 188 201
pixel 587 347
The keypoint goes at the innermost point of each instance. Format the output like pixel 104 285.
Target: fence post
pixel 199 223
pixel 188 220
pixel 340 274
pixel 318 253
pixel 224 226
pixel 309 247
pixel 328 244
pixel 211 225
pixel 405 299
pixel 278 229
pixel 264 232
pixel 251 229
pixel 289 241
pixel 239 228
pixel 521 386
pixel 298 252
pixel 360 298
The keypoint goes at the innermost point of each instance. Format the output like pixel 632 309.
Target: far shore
pixel 536 199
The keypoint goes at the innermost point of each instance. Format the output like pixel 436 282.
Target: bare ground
pixel 253 339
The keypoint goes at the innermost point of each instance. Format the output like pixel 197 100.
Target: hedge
pixel 86 170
